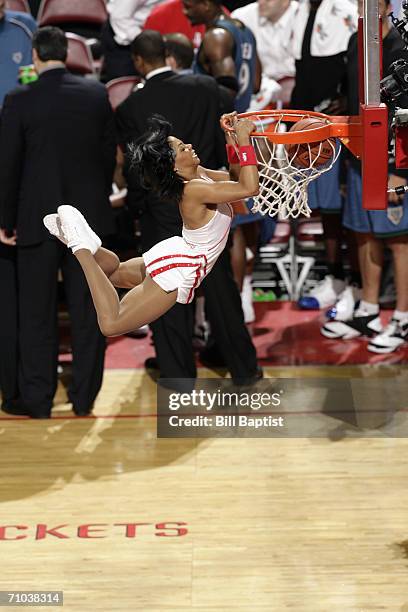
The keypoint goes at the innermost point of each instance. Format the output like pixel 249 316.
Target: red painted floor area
pixel 283 336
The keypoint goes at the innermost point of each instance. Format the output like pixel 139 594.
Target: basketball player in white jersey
pixel 173 268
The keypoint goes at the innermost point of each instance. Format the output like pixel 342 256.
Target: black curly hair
pixel 152 162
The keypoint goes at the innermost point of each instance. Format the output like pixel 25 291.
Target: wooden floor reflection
pixel 98 508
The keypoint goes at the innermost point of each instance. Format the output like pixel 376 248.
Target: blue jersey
pixel 244 58
pixel 16 30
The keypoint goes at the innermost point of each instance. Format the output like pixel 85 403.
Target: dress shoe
pixel 82 412
pixel 15 408
pixel 151 363
pixel 210 357
pixel 249 380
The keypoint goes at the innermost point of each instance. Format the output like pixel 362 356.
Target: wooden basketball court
pixel 101 509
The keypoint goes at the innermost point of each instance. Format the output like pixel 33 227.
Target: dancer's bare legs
pixel 143 304
pixel 103 270
pixel 125 274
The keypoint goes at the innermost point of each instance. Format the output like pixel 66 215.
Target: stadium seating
pixel 119 89
pixel 55 12
pixel 79 60
pixel 18 5
pixel 309 234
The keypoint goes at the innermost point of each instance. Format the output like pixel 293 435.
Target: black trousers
pixel 172 333
pixel 8 323
pixel 117 59
pixel 37 273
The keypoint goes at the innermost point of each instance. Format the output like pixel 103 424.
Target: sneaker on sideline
pixel 393 336
pixel 323 295
pixel 246 300
pixel 343 309
pixel 359 325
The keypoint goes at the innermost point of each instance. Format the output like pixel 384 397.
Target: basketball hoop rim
pixel 337 126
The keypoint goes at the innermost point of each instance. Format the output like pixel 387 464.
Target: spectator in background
pixel 321 30
pixel 57 144
pixel 16 31
pixel 168 18
pixel 126 19
pixel 191 104
pixel 270 22
pixel 180 58
pixel 228 51
pixel 179 53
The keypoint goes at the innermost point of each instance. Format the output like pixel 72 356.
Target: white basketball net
pixel 283 185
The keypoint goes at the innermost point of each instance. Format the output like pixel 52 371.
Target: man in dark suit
pixel 57 144
pixel 192 104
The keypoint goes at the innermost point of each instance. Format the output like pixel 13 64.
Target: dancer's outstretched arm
pixel 141 305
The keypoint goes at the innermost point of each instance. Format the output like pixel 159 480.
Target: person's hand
pixel 228 121
pixel 244 127
pixel 5 238
pixel 393 182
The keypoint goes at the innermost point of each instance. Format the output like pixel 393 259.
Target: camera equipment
pixel 396 83
pixel 400 24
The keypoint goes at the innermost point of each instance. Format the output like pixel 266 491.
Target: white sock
pixel 247 287
pixel 249 254
pixel 400 315
pixel 367 308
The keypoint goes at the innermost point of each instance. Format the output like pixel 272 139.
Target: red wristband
pixel 232 155
pixel 247 156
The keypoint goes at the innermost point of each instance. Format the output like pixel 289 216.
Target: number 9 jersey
pixel 244 56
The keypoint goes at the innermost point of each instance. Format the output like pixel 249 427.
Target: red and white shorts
pixel 173 264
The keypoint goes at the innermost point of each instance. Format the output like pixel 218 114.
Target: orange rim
pixel 341 127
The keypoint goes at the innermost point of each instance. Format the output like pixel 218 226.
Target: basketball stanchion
pixel 295 147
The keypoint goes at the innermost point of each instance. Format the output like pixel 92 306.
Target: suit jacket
pixel 57 145
pixel 192 105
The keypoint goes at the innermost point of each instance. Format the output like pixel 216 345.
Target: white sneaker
pixel 393 336
pixel 361 324
pixel 53 225
pixel 323 295
pixel 246 300
pixel 77 231
pixel 343 309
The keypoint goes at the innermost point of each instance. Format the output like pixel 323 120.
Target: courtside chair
pixel 79 60
pixel 119 89
pixel 54 12
pixel 18 5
